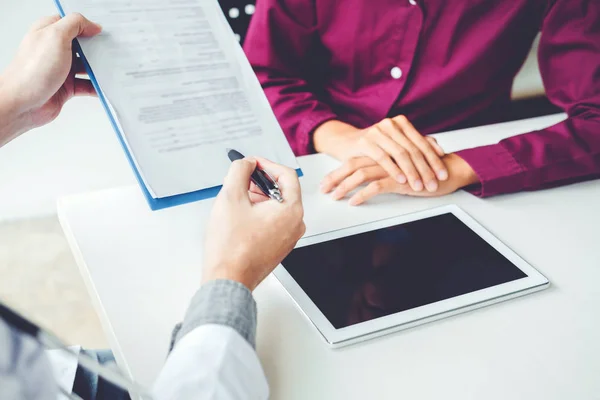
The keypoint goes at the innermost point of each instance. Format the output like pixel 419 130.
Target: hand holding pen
pixel 261 178
pixel 250 234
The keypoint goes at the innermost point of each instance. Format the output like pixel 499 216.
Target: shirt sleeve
pixel 221 302
pixel 212 351
pixel 281 41
pixel 568 152
pixel 212 362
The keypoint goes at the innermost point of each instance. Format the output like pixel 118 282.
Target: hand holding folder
pixel 178 90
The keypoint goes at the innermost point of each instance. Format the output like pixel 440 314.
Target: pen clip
pixel 273 181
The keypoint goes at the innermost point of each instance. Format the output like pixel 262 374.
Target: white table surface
pixel 142 267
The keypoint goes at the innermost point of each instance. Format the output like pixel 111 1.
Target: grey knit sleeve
pixel 221 302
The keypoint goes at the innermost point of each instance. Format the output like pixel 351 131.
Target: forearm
pixel 13 120
pixel 569 55
pixel 298 110
pixel 327 136
pixel 281 44
pixel 564 153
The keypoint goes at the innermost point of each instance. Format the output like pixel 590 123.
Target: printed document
pixel 181 89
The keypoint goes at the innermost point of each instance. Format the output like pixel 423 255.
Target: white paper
pixel 182 89
pixel 64 367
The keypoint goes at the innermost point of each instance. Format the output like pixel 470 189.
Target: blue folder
pixel 154 203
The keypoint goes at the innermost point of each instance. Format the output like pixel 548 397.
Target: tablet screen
pixel 373 274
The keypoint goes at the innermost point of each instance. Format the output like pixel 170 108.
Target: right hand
pixel 248 234
pixel 42 77
pixel 394 144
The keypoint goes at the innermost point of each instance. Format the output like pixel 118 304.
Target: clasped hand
pixel 393 157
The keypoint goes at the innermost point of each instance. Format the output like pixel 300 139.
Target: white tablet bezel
pixel 406 319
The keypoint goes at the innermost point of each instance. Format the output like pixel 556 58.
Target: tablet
pixel 365 281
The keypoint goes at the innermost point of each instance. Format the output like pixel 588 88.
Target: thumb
pixel 74 25
pixel 237 180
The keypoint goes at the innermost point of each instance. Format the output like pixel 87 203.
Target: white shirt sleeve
pixel 212 362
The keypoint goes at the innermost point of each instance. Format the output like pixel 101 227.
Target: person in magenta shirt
pixel 367 81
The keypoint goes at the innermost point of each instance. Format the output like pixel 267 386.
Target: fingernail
pixel 322 186
pixel 442 175
pixel 401 178
pixel 353 202
pixel 432 186
pixel 418 185
pixel 336 195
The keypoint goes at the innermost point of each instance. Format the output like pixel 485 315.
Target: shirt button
pixel 413 2
pixel 396 73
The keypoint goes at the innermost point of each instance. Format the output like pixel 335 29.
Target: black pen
pixel 261 178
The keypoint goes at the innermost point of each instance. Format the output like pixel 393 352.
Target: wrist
pixel 461 170
pixel 328 136
pixel 230 272
pixel 13 121
pixel 9 99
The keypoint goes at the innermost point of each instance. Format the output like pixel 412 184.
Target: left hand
pixel 42 78
pixel 363 170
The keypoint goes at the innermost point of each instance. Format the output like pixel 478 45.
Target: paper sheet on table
pixel 64 367
pixel 181 88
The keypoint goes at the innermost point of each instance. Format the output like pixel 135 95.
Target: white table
pixel 142 267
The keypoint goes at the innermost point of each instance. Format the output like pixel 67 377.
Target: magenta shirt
pixel 442 63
